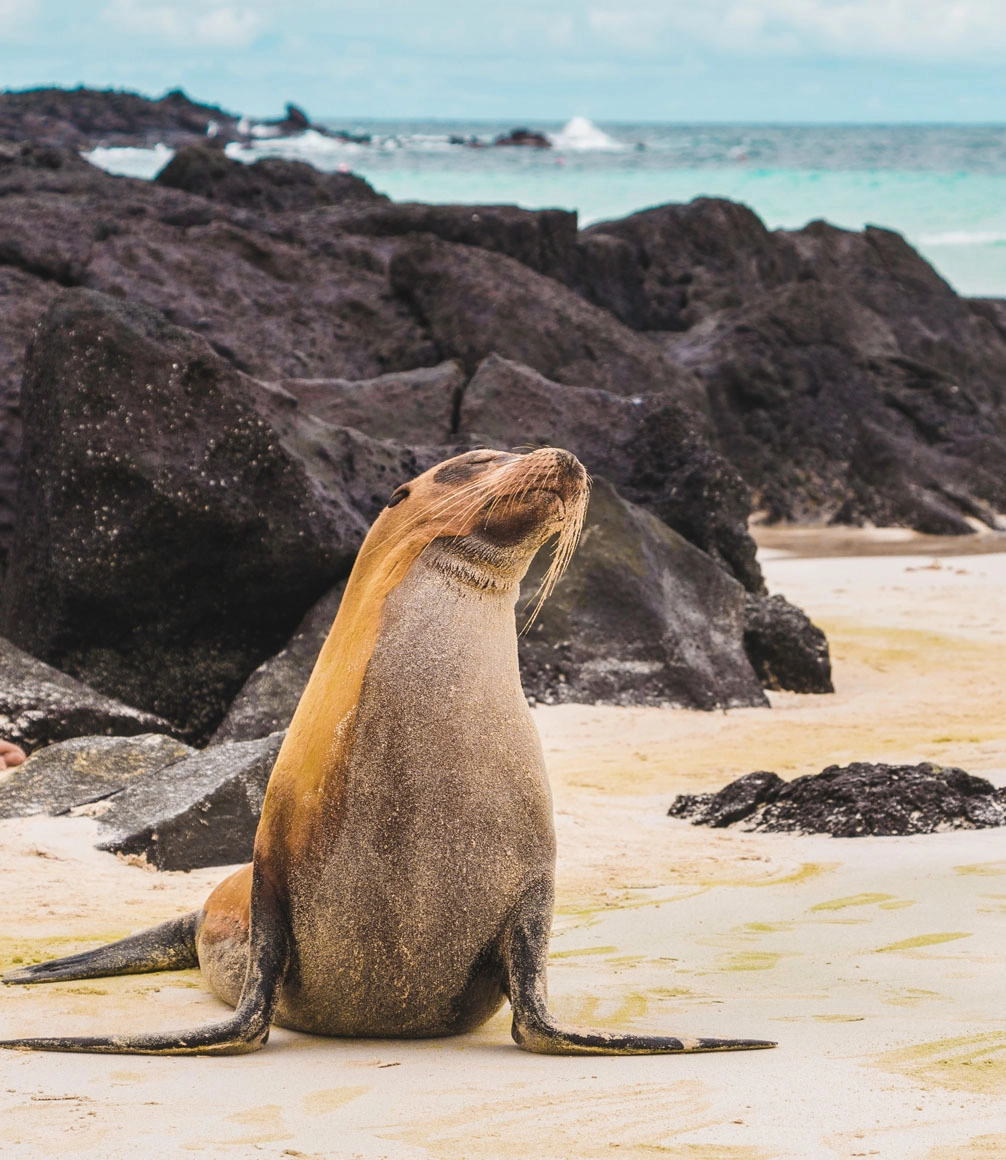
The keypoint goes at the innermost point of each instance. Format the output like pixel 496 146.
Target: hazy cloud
pixel 195 24
pixel 935 29
pixel 15 16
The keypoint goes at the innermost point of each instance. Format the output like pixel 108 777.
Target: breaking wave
pixel 579 135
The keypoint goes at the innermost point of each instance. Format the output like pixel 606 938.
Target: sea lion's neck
pixel 472 564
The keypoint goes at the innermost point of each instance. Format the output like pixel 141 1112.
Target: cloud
pixel 185 23
pixel 15 16
pixel 930 29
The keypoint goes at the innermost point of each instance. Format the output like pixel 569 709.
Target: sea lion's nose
pixel 568 462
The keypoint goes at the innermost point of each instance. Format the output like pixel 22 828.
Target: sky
pixel 530 60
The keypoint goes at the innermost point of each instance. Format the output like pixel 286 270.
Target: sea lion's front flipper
pixel 246 1030
pixel 536 1029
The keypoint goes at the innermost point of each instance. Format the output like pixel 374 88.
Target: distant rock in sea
pixel 527 138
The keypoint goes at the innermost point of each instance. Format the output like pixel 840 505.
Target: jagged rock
pixel 176 517
pixel 269 185
pixel 544 240
pixel 785 648
pixel 641 617
pixel 670 267
pixel 846 380
pixel 852 801
pixel 650 446
pixel 276 302
pixel 269 697
pixel 296 118
pixel 80 118
pixel 474 302
pixel 417 406
pixel 201 811
pixel 40 705
pixel 84 772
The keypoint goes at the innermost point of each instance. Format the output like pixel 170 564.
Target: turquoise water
pixel 943 187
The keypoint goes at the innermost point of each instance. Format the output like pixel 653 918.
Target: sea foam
pixel 580 135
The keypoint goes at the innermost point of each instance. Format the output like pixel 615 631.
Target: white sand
pixel 877 963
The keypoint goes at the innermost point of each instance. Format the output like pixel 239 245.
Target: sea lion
pixel 402 877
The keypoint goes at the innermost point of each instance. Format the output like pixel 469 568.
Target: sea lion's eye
pixel 398 495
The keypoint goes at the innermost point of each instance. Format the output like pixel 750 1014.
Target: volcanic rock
pixel 417 406
pixel 670 267
pixel 40 705
pixel 84 772
pixel 852 801
pixel 270 185
pixel 641 617
pixel 650 446
pixel 473 303
pixel 269 697
pixel 846 380
pixel 527 138
pixel 544 240
pixel 177 518
pixel 201 811
pixel 81 118
pixel 785 648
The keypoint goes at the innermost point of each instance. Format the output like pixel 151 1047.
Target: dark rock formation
pixel 271 185
pixel 417 406
pixel 269 697
pixel 671 267
pixel 852 801
pixel 84 772
pixel 176 518
pixel 650 446
pixel 296 120
pixel 39 705
pixel 641 617
pixel 527 138
pixel 474 302
pixel 81 118
pixel 201 811
pixel 785 648
pixel 544 240
pixel 847 381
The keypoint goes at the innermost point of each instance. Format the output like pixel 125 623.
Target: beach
pixel 875 962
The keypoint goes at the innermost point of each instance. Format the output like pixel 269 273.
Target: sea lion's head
pixel 483 515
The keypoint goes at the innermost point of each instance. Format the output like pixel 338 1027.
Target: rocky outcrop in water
pixel 82 118
pixel 852 801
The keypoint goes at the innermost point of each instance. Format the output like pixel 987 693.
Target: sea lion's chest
pixel 446 813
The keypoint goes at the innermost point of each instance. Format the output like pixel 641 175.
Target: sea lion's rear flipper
pixel 535 1029
pixel 168 947
pixel 246 1030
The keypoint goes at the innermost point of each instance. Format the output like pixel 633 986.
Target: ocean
pixel 942 186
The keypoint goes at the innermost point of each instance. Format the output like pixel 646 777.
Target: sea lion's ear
pixel 398 495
